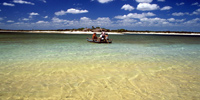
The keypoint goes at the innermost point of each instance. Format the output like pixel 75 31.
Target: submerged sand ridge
pixel 68 68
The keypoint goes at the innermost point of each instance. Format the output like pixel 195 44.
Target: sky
pixel 152 15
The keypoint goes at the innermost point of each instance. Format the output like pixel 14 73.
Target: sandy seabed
pixel 92 81
pixel 54 67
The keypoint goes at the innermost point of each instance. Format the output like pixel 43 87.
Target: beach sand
pixel 113 33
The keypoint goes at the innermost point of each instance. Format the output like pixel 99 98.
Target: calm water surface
pixel 67 67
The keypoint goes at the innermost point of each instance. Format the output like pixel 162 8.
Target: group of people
pixel 103 36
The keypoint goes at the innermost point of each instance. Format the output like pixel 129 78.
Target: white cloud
pixel 135 15
pixel 122 17
pixel 154 22
pixel 197 12
pixel 144 1
pixel 104 1
pixel 60 13
pixel 150 22
pixel 44 1
pixel 85 19
pixel 175 20
pixel 23 2
pixel 166 8
pixel 180 20
pixel 149 14
pixel 25 19
pixel 147 6
pixel 10 21
pixel 180 13
pixel 196 3
pixel 71 10
pixel 1 19
pixel 161 0
pixel 41 22
pixel 8 4
pixel 127 7
pixel 76 11
pixel 126 22
pixel 153 19
pixel 46 16
pixel 18 23
pixel 171 19
pixel 33 14
pixel 179 4
pixel 193 21
pixel 102 21
pixel 57 20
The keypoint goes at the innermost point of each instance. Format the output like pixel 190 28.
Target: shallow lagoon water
pixel 67 67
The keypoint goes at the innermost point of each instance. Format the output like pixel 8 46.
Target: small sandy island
pixel 116 33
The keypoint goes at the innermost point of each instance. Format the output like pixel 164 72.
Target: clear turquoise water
pixel 32 66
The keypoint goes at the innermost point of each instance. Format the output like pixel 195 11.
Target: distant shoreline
pixel 89 32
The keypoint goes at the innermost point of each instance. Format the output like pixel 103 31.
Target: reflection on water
pixel 55 66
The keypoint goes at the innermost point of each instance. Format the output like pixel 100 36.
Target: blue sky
pixel 154 15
